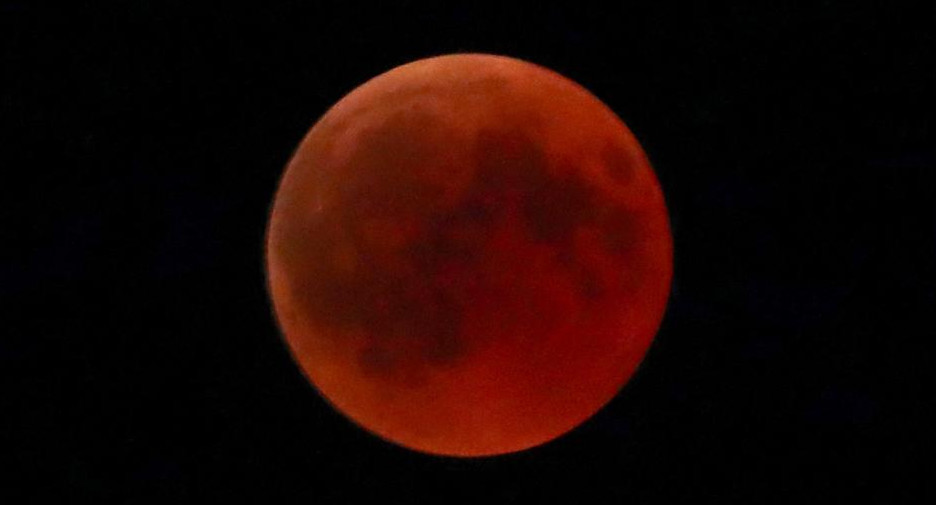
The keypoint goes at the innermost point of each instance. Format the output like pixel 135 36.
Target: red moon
pixel 469 255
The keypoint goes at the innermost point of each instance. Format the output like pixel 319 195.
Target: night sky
pixel 142 145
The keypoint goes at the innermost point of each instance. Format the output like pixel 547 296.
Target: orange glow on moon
pixel 469 255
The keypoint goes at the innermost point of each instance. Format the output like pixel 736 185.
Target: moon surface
pixel 469 255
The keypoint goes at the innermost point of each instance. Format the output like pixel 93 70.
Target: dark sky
pixel 141 148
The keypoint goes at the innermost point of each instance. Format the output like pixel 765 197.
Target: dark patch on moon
pixel 411 306
pixel 556 207
pixel 617 162
pixel 592 287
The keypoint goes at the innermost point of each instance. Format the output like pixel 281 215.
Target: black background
pixel 794 143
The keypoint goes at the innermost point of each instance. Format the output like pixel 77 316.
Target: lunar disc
pixel 469 255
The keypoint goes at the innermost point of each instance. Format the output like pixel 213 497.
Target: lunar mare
pixel 469 255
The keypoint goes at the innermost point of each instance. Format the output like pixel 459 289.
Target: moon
pixel 469 255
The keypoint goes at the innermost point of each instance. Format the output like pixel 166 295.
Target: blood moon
pixel 469 255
